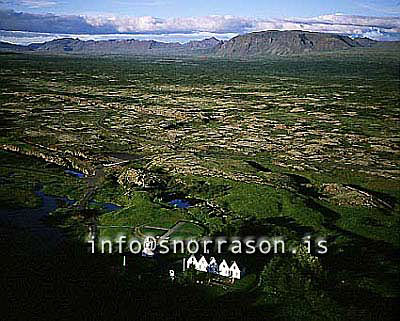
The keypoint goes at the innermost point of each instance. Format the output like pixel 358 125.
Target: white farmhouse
pixel 234 271
pixel 224 269
pixel 213 266
pixel 202 264
pixel 192 261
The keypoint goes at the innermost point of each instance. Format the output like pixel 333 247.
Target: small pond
pixel 74 173
pixel 180 203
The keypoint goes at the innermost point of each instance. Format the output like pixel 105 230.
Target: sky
pixel 25 21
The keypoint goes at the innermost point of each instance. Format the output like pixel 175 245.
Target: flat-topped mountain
pixel 286 43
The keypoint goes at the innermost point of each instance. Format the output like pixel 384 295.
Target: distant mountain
pixel 9 47
pixel 286 43
pixel 255 44
pixel 204 44
pixel 126 47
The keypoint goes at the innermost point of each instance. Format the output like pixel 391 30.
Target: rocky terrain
pixel 185 118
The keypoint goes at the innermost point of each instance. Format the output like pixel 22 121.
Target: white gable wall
pixel 235 271
pixel 192 261
pixel 202 264
pixel 224 269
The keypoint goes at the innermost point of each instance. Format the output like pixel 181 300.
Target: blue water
pixel 108 206
pixel 75 173
pixel 179 203
pixel 45 239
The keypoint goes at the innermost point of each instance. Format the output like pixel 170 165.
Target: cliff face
pixel 65 159
pixel 284 43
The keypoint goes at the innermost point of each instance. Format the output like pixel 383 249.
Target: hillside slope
pixel 285 43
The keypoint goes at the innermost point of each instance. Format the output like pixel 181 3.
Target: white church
pixel 222 269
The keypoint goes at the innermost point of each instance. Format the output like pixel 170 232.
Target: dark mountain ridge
pixel 256 44
pixel 9 47
pixel 287 43
pixel 126 47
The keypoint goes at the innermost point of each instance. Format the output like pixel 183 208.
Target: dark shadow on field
pixel 358 269
pixel 75 285
pixel 360 272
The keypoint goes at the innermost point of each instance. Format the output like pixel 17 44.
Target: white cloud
pixel 187 25
pixel 30 3
pixel 142 3
pixel 379 28
pixel 336 23
pixel 26 38
pixel 38 3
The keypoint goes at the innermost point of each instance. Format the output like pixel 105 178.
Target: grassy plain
pixel 283 144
